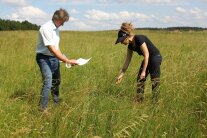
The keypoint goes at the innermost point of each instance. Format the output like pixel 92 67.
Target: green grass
pixel 92 105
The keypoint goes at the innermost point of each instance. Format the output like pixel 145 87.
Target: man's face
pixel 60 23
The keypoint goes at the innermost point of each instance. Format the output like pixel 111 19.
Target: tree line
pixel 17 25
pixel 25 25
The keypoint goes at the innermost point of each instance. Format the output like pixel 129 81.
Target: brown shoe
pixel 45 112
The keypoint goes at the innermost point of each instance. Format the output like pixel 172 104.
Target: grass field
pixel 91 104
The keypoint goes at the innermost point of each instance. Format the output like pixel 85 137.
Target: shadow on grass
pixel 24 95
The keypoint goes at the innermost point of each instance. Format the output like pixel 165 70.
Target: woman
pixel 150 64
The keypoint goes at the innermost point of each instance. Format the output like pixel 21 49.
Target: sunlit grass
pixel 91 104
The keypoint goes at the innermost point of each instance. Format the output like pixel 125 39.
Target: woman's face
pixel 126 41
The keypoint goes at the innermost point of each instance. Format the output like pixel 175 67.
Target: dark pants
pixel 50 69
pixel 153 69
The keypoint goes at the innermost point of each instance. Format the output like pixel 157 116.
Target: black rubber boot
pixel 140 90
pixel 155 90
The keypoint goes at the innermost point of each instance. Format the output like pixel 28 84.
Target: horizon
pixel 173 28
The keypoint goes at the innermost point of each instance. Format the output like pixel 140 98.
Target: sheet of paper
pixel 80 61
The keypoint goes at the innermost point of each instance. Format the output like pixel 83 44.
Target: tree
pixel 16 25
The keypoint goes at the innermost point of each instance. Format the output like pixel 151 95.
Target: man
pixel 48 55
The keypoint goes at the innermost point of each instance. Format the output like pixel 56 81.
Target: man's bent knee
pixel 56 82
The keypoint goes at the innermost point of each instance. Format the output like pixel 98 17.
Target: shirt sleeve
pixel 141 40
pixel 47 36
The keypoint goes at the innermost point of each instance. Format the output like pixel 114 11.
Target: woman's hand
pixel 119 79
pixel 143 75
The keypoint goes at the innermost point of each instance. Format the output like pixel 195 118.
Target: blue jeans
pixel 50 69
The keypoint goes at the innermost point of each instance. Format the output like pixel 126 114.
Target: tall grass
pixel 91 104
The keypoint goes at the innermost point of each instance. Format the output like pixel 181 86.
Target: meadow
pixel 92 105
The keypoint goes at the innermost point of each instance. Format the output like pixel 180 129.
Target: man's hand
pixel 72 62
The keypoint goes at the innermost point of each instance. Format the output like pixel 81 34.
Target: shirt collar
pixel 53 25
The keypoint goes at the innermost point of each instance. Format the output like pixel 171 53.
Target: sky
pixel 95 15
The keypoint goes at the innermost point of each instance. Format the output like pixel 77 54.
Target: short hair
pixel 60 14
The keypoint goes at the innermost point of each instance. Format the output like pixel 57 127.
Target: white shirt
pixel 48 36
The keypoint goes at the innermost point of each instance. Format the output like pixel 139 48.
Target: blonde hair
pixel 127 27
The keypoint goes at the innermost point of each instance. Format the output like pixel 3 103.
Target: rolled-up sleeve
pixel 47 36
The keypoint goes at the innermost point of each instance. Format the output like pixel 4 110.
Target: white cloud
pixel 184 17
pixel 14 2
pixel 158 1
pixel 92 25
pixel 191 17
pixel 74 11
pixel 62 1
pixel 122 15
pixel 29 13
pixel 72 19
pixel 128 2
pixel 81 26
pixel 167 19
pixel 112 17
pixel 101 20
pixel 180 10
pixel 140 1
pixel 97 15
pixel 76 1
pixel 193 13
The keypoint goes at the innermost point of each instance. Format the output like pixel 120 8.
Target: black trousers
pixel 153 69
